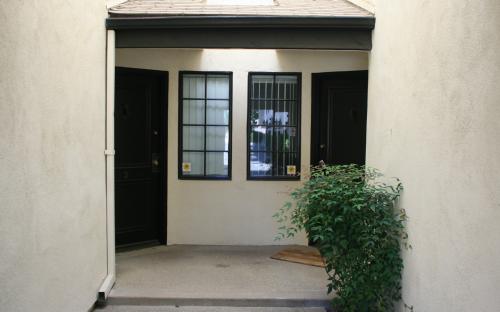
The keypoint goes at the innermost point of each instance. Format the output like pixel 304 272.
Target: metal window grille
pixel 274 126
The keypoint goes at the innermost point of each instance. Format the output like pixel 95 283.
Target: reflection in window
pixel 205 112
pixel 274 150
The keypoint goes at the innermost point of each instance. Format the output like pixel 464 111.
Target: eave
pixel 120 22
pixel 242 31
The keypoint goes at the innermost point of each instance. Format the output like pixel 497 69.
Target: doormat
pixel 301 254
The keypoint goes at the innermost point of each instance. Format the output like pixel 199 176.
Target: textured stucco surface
pixel 434 121
pixel 52 192
pixel 233 212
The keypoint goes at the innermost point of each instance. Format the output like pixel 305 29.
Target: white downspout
pixel 109 153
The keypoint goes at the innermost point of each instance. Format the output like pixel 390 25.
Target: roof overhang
pixel 247 32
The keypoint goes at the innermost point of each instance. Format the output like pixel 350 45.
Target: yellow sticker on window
pixel 291 170
pixel 186 167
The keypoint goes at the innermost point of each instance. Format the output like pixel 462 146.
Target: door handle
pixel 155 162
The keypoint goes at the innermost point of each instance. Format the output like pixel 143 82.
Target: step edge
pixel 230 302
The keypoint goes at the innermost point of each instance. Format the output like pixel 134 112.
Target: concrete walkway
pixel 229 276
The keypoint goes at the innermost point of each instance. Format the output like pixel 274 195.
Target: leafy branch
pixel 350 213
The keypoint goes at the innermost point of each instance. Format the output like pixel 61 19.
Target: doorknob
pixel 155 162
pixel 322 146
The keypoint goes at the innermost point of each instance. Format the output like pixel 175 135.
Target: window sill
pixel 295 178
pixel 204 178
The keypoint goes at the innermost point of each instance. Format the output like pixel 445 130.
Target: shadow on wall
pixel 155 59
pixel 208 59
pixel 340 60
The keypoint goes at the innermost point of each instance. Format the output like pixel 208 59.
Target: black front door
pixel 140 132
pixel 339 117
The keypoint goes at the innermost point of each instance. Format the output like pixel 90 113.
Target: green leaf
pixel 351 214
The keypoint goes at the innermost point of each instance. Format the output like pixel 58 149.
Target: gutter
pixel 109 154
pixel 135 22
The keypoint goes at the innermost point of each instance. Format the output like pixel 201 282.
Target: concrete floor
pixel 231 276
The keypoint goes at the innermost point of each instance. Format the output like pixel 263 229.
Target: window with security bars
pixel 205 125
pixel 273 126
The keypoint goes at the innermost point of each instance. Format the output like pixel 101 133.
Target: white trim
pixel 110 167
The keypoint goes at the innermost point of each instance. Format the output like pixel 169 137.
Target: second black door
pixel 339 117
pixel 140 140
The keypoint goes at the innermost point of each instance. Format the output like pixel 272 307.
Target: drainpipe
pixel 109 153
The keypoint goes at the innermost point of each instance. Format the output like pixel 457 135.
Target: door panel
pixel 133 120
pixel 135 225
pixel 140 132
pixel 339 118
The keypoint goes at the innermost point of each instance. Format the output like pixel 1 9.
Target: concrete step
pixel 207 278
pixel 135 308
pixel 219 302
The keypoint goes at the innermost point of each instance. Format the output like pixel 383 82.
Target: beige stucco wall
pixel 237 211
pixel 434 121
pixel 52 192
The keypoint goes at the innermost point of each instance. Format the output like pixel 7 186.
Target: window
pixel 205 125
pixel 273 126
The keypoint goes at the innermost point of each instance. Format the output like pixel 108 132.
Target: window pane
pixel 286 113
pixel 217 138
pixel 261 139
pixel 193 138
pixel 285 87
pixel 262 87
pixel 217 112
pixel 196 162
pixel 281 161
pixel 218 87
pixel 261 112
pixel 285 139
pixel 217 164
pixel 260 164
pixel 193 86
pixel 193 112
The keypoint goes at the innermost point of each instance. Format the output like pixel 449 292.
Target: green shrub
pixel 350 214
